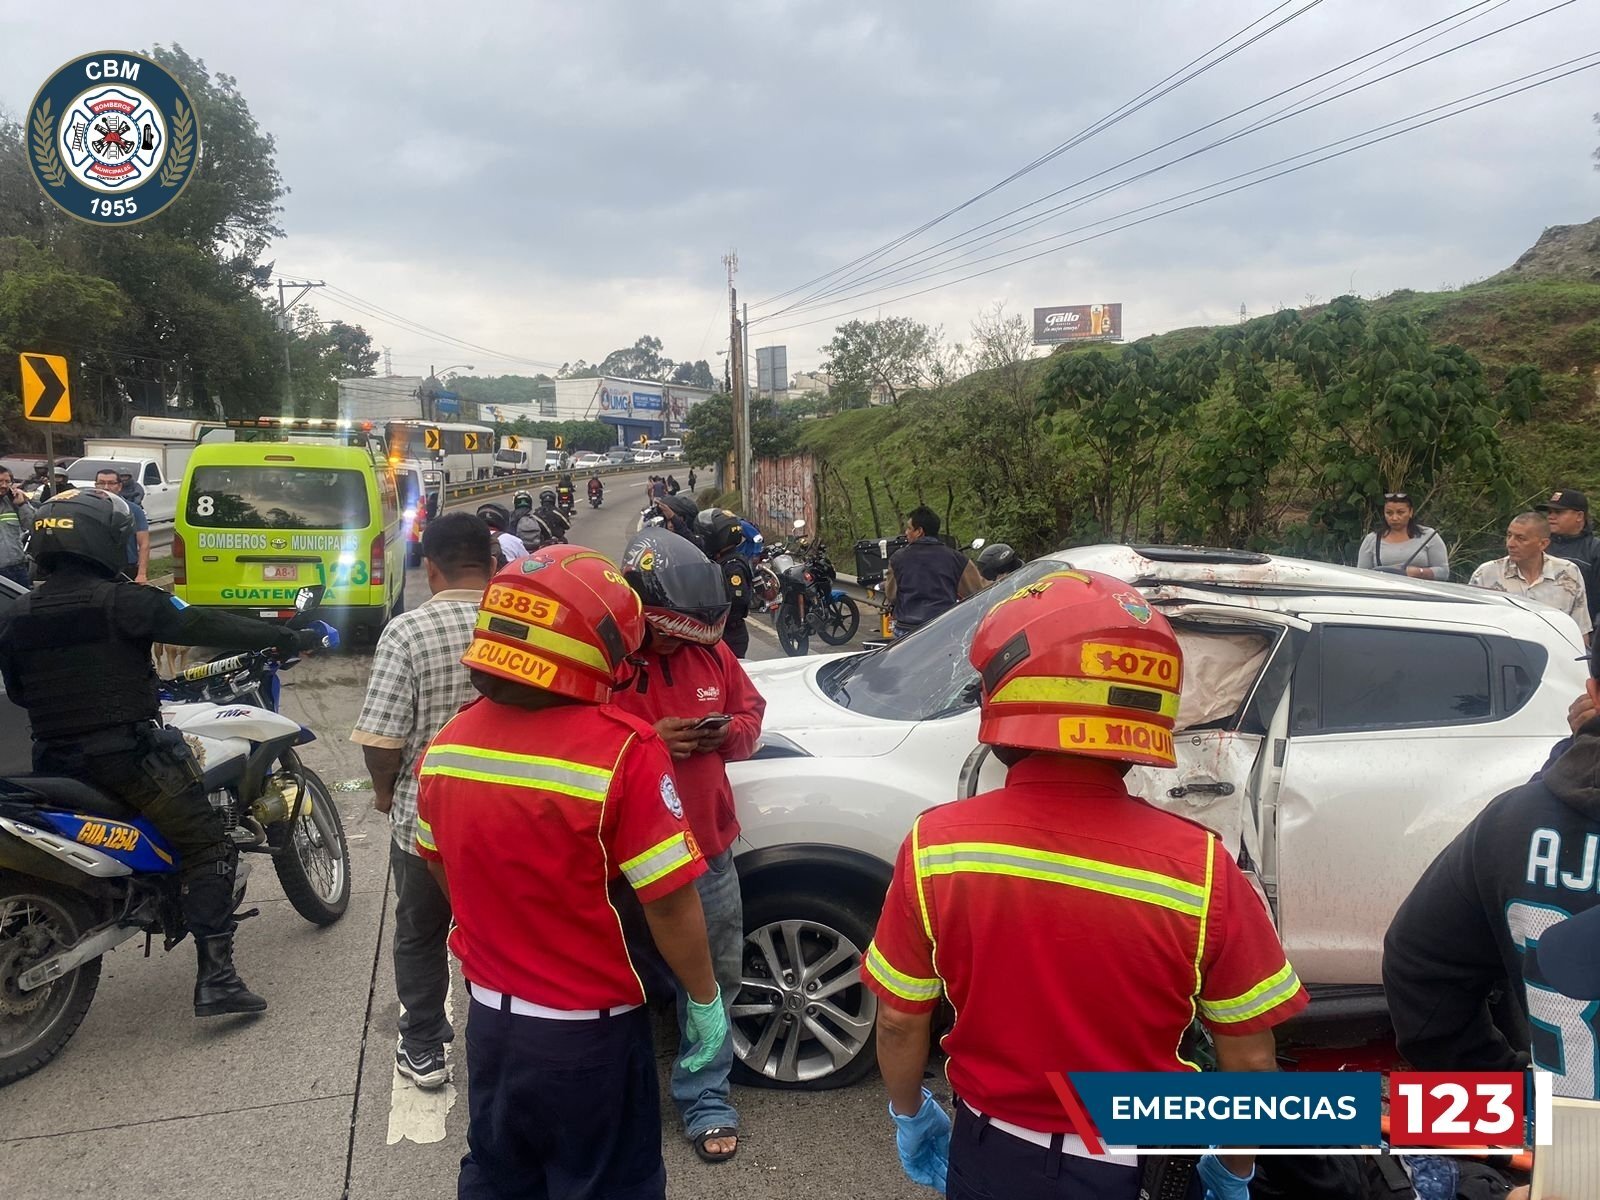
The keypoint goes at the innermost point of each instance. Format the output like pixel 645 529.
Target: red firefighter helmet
pixel 563 620
pixel 1079 663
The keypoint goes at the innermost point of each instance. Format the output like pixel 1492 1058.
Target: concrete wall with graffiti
pixel 781 490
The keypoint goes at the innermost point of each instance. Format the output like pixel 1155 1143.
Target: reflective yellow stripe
pixel 1262 998
pixel 424 836
pixel 907 987
pixel 1035 689
pixel 660 860
pixel 916 870
pixel 1130 883
pixel 518 770
pixel 545 639
pixel 1200 946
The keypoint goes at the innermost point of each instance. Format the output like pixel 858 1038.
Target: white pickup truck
pixel 154 464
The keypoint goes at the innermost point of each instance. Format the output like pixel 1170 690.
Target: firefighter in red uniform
pixel 534 798
pixel 1073 926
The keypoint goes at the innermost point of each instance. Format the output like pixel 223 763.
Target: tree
pixel 352 351
pixel 696 374
pixel 1004 345
pixel 231 206
pixel 708 430
pixel 642 360
pixel 890 355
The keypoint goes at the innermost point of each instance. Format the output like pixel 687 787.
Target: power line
pixel 972 234
pixel 1244 186
pixel 966 249
pixel 1142 100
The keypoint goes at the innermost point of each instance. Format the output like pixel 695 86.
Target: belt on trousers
pixel 527 1008
pixel 1071 1143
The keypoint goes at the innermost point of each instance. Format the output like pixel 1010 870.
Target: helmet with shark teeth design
pixel 684 593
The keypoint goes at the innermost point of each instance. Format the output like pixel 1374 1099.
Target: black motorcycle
pixel 808 601
pixel 597 493
pixel 565 504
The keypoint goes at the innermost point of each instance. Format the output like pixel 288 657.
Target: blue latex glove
pixel 1221 1183
pixel 924 1142
pixel 707 1030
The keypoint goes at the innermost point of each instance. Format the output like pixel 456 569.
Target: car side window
pixel 152 474
pixel 1366 678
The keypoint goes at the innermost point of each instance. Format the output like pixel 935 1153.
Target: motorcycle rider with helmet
pixel 721 535
pixel 507 546
pixel 550 513
pixel 692 689
pixel 566 494
pixel 76 653
pixel 998 560
pixel 680 514
pixel 597 489
pixel 525 523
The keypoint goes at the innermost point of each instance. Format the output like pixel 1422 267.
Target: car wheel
pixel 803 1019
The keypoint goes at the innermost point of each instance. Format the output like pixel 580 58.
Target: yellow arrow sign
pixel 560 443
pixel 471 440
pixel 45 396
pixel 430 438
pixel 511 442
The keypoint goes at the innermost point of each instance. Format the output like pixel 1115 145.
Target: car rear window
pixel 1387 678
pixel 277 497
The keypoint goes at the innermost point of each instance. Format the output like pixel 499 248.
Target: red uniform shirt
pixel 532 813
pixel 696 681
pixel 1074 928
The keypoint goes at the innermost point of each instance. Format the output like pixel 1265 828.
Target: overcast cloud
pixel 552 180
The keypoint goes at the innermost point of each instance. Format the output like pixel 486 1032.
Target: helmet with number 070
pixel 561 620
pixel 1079 663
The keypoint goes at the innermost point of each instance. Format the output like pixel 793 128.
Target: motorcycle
pixel 565 504
pixel 81 873
pixel 808 601
pixel 597 493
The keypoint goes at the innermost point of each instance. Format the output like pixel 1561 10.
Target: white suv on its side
pixel 1337 728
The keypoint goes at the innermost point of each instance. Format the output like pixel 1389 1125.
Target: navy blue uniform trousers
pixel 988 1164
pixel 561 1110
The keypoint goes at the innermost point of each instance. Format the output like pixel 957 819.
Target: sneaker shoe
pixel 425 1068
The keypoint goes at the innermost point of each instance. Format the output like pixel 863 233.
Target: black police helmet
pixel 684 593
pixel 997 560
pixel 719 530
pixel 89 525
pixel 547 498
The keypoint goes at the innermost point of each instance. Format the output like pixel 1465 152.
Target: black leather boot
pixel 218 990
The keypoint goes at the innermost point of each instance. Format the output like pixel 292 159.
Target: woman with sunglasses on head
pixel 1402 546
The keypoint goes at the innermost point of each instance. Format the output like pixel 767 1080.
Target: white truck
pixel 154 457
pixel 518 454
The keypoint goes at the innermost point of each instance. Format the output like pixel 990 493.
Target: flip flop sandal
pixel 715 1133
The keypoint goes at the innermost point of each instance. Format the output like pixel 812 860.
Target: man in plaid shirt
pixel 417 685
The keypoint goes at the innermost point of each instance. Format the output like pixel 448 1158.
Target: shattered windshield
pixel 925 674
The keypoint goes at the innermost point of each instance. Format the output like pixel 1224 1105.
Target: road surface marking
pixel 416 1115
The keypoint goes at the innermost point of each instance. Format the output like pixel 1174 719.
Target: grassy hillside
pixel 1553 324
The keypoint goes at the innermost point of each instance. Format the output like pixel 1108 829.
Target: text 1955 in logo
pixel 1445 1109
pixel 113 138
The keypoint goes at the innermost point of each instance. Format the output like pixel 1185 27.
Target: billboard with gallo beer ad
pixel 1077 323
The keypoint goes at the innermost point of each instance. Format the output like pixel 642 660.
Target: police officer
pixel 721 534
pixel 1075 926
pixel 533 800
pixel 550 514
pixel 76 654
pixel 926 578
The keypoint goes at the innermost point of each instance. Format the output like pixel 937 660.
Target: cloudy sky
pixel 552 180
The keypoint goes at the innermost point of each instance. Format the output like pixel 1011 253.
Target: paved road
pixel 304 1102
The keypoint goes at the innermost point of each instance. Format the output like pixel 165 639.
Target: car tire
pixel 822 928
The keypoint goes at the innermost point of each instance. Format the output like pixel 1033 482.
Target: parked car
pixel 647 457
pixel 618 455
pixel 555 460
pixel 1337 728
pixel 589 461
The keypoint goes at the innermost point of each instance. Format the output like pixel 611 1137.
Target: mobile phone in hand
pixel 714 721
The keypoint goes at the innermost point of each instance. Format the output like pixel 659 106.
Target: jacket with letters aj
pixel 1473 921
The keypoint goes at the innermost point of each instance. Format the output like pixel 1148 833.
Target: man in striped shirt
pixel 417 684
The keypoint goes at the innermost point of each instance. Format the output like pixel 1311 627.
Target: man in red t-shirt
pixel 691 688
pixel 1072 926
pixel 533 801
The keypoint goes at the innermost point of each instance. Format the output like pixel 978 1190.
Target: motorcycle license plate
pixel 282 572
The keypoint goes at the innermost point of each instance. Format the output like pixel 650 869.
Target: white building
pixel 639 408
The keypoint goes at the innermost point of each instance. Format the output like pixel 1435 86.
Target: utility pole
pixel 736 371
pixel 746 471
pixel 283 320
